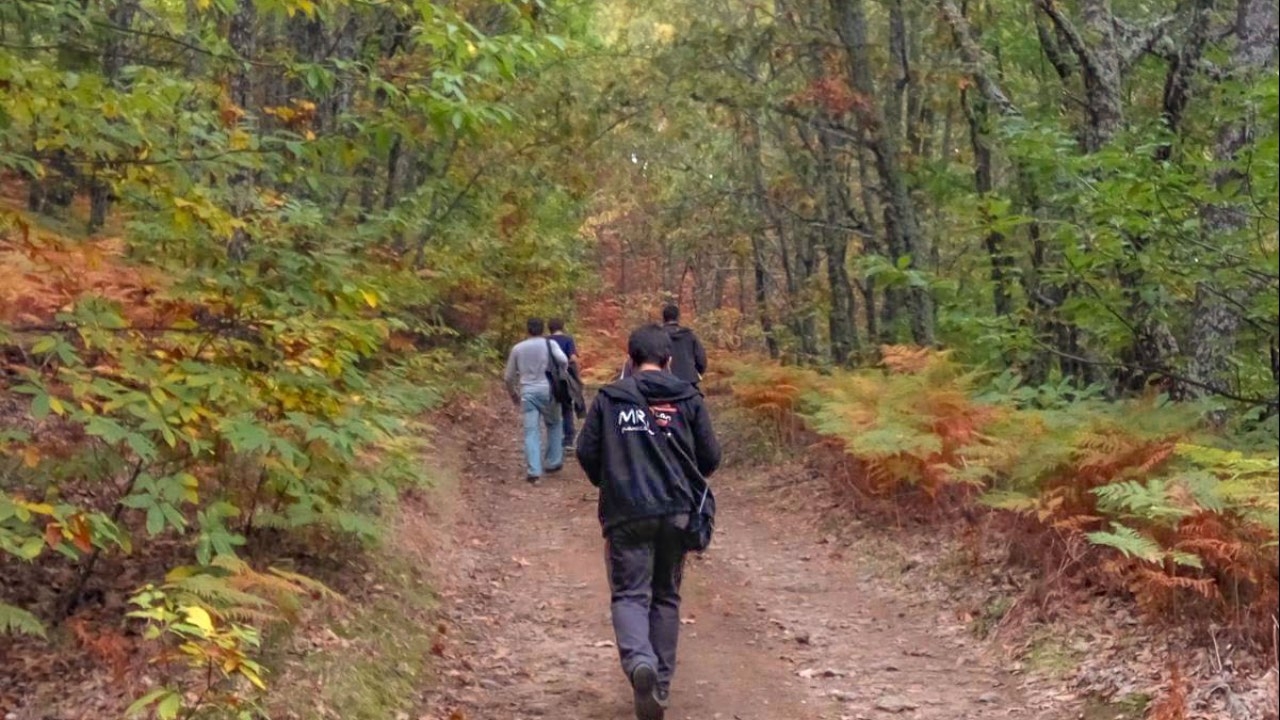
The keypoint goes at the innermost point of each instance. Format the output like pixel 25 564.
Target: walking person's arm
pixel 511 377
pixel 571 350
pixel 591 444
pixel 706 446
pixel 699 357
pixel 559 355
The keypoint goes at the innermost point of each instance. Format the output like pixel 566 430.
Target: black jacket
pixel 688 357
pixel 643 438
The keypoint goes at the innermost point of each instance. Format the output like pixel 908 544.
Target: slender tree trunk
pixel 121 16
pixel 759 258
pixel 840 315
pixel 984 184
pixel 872 246
pixel 905 240
pixel 241 38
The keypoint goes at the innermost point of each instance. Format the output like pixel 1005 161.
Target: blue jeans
pixel 540 410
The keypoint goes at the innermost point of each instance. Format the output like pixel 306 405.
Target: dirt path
pixel 779 624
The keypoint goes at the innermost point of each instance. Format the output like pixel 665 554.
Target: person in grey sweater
pixel 527 383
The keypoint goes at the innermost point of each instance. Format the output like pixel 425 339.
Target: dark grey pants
pixel 645 562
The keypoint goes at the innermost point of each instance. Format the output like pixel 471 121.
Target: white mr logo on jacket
pixel 633 420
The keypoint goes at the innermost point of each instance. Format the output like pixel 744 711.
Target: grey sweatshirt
pixel 528 363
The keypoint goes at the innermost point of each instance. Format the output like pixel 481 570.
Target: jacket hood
pixel 654 386
pixel 676 331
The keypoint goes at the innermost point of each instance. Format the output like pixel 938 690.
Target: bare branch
pixel 1139 41
pixel 976 59
pixel 1053 51
pixel 1073 37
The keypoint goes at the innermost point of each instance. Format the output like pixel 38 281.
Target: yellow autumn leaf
pixel 370 297
pixel 37 508
pixel 200 618
pixel 253 677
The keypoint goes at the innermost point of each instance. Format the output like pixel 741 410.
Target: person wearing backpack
pixel 534 378
pixel 648 444
pixel 574 406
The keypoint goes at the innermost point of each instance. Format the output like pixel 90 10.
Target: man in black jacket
pixel 642 441
pixel 688 357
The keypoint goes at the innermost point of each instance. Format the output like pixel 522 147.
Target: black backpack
pixel 558 378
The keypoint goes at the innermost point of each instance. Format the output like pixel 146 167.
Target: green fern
pixel 1129 542
pixel 1227 481
pixel 1010 500
pixel 1149 502
pixel 14 620
pixel 1134 544
pixel 217 592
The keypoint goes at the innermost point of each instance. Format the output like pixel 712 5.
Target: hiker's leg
pixel 570 434
pixel 664 609
pixel 532 432
pixel 555 435
pixel 629 554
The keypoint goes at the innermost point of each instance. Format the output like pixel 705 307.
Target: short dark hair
pixel 555 325
pixel 671 313
pixel 534 326
pixel 649 344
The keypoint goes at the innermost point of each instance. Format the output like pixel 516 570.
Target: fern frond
pixel 1129 542
pixel 303 582
pixel 1203 586
pixel 15 620
pixel 218 591
pixel 1011 500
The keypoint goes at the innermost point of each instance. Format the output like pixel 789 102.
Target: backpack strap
pixel 698 487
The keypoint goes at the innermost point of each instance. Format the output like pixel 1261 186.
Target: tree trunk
pixel 905 240
pixel 1001 264
pixel 121 16
pixel 1216 323
pixel 870 211
pixel 760 266
pixel 240 37
pixel 836 215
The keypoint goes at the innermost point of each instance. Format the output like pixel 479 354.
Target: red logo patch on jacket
pixel 663 415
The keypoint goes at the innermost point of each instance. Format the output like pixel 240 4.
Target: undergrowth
pixel 1135 496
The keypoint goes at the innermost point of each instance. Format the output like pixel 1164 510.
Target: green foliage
pixel 16 620
pixel 1133 544
pixel 1076 236
pixel 305 219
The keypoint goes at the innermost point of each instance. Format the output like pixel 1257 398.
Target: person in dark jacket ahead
pixel 643 438
pixel 688 357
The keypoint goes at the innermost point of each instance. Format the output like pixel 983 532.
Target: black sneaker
pixel 664 697
pixel 532 479
pixel 644 684
pixel 553 470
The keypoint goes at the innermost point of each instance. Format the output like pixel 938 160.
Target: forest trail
pixel 781 623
